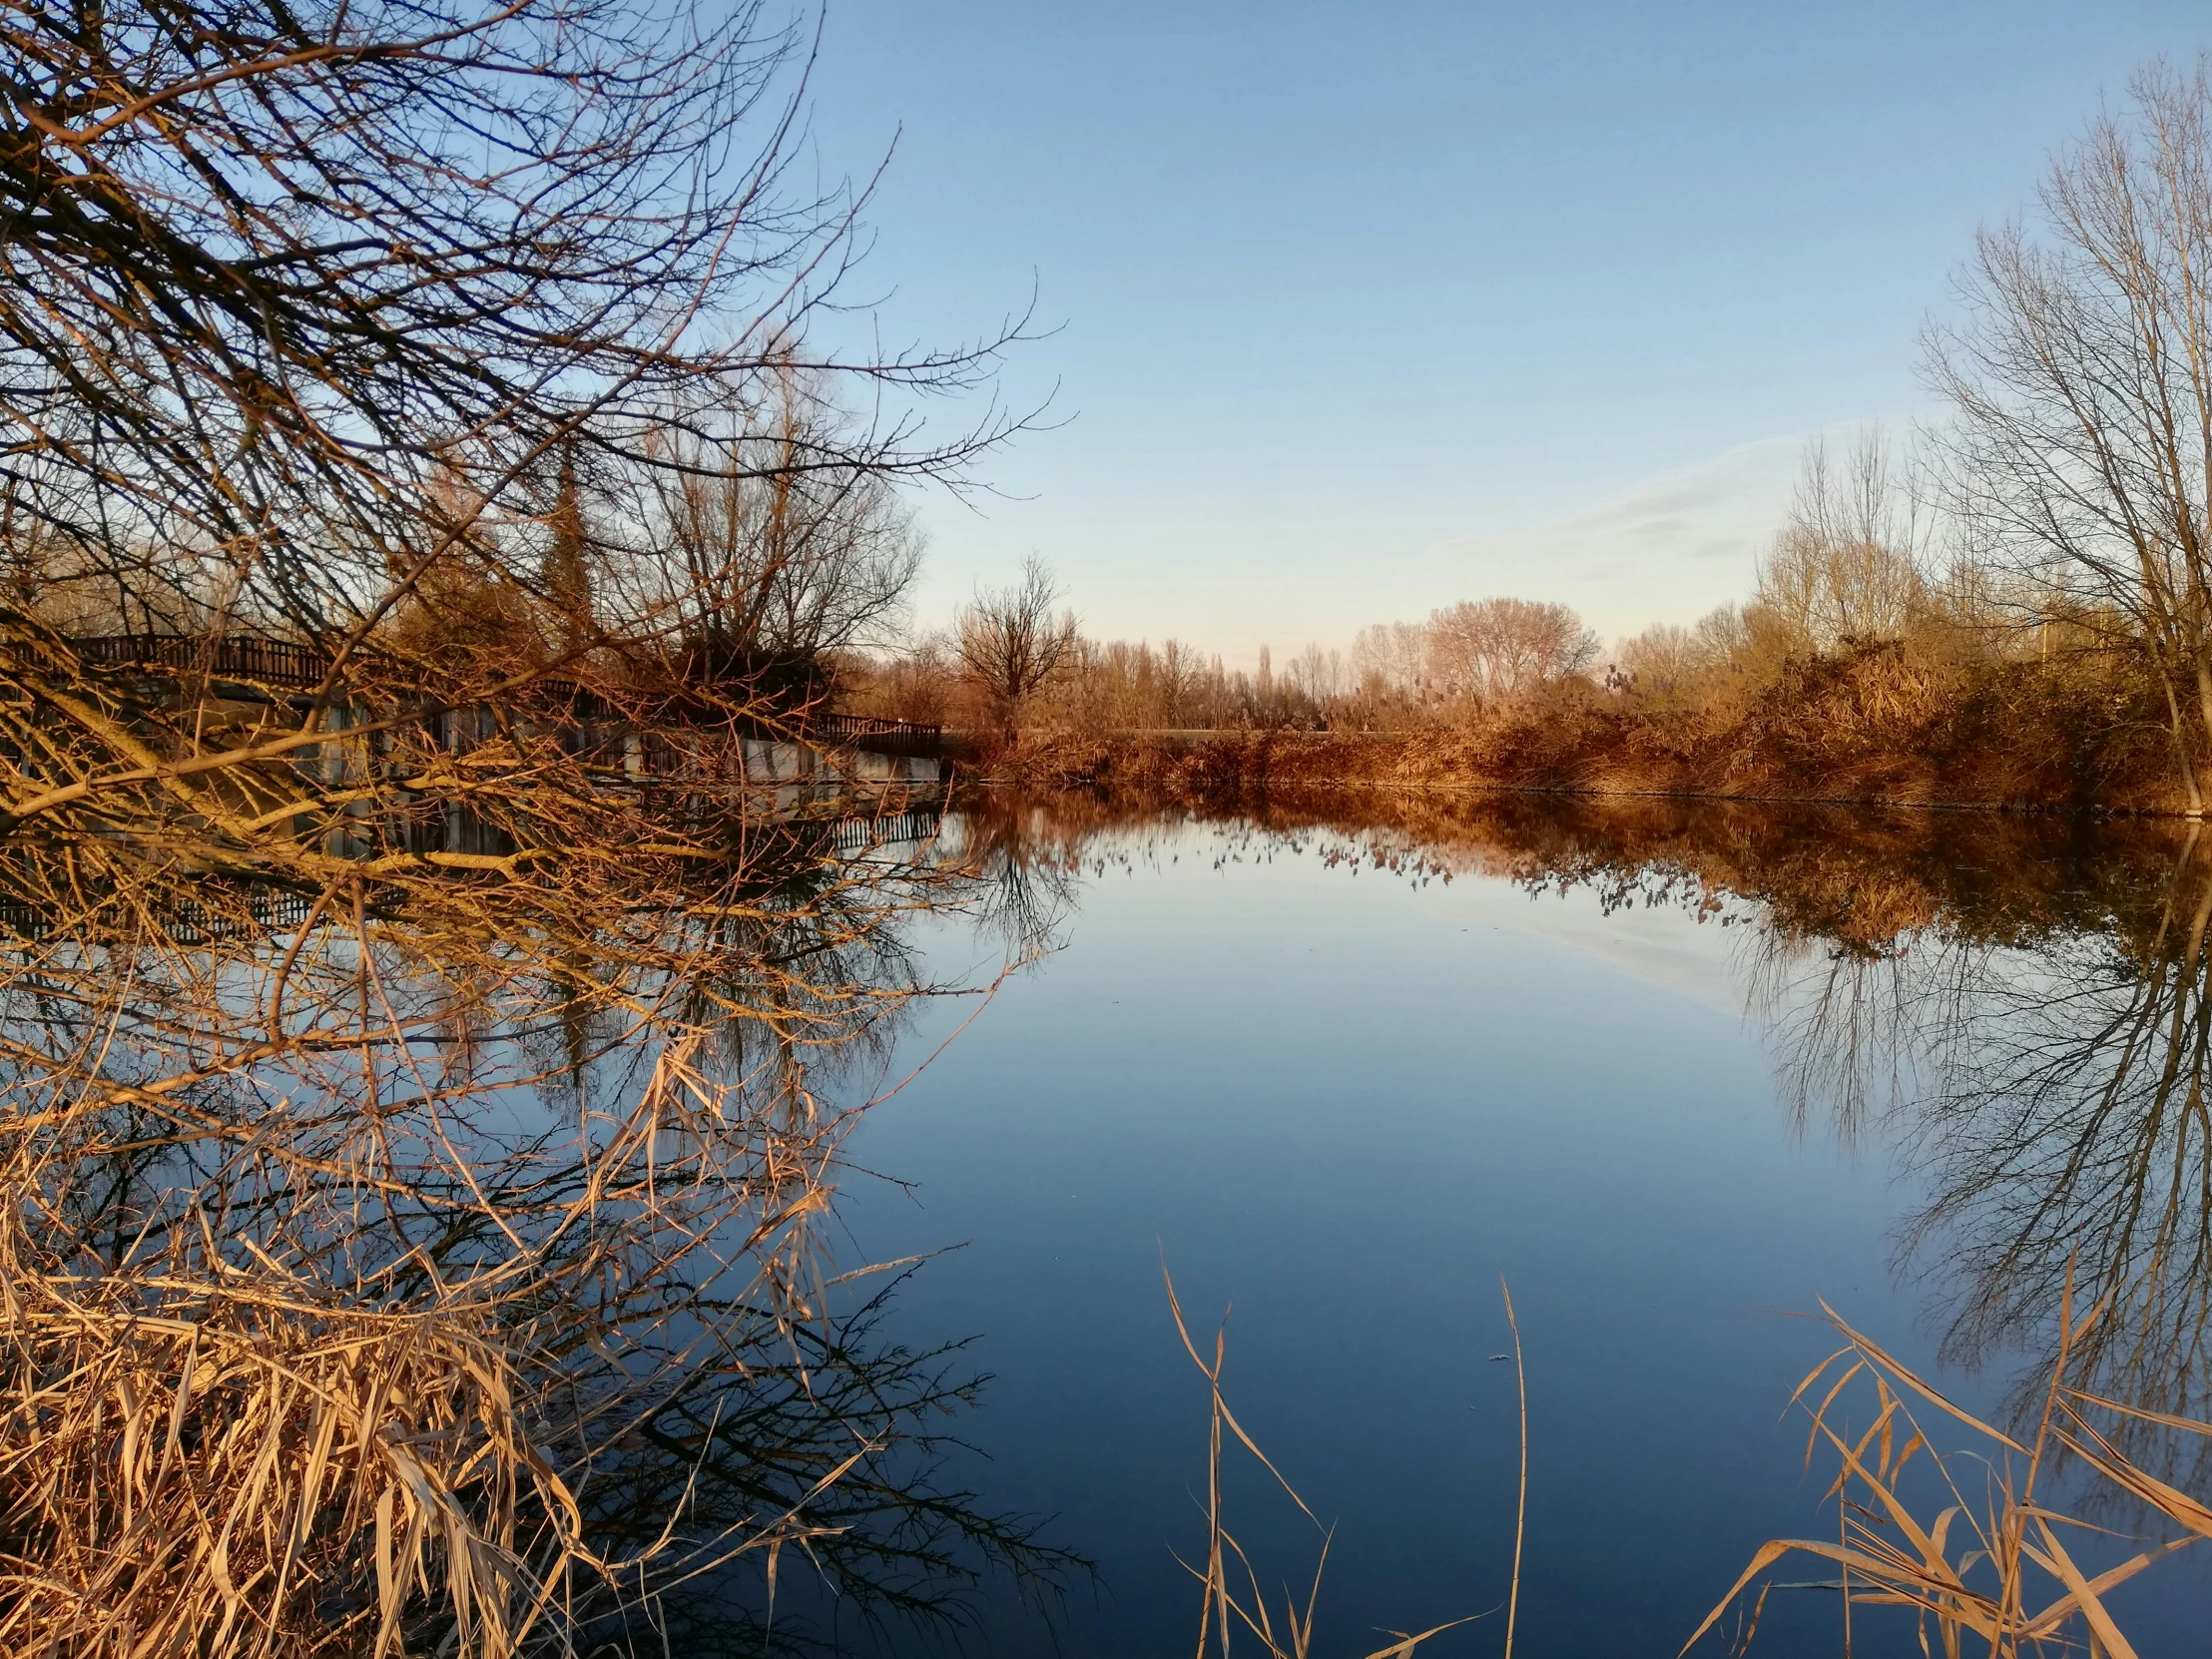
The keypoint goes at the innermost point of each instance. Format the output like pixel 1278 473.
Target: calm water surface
pixel 1339 1097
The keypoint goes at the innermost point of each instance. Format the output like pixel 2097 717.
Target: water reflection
pixel 2023 1006
pixel 2056 1111
pixel 448 1251
pixel 1027 861
pixel 421 1259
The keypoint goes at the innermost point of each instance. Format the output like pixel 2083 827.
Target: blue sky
pixel 1365 309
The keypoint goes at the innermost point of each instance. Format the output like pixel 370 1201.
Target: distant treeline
pixel 2021 610
pixel 1862 665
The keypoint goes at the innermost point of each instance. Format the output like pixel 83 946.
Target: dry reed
pixel 398 1257
pixel 1995 1568
pixel 1232 1599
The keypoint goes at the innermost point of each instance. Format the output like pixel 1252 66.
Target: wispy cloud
pixel 1667 550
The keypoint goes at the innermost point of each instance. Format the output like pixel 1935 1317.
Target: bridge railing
pixel 874 732
pixel 261 662
pixel 282 662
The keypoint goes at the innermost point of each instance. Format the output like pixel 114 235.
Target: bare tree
pixel 311 312
pixel 1318 672
pixel 2080 378
pixel 1720 633
pixel 1011 642
pixel 411 1128
pixel 1397 653
pixel 774 541
pixel 568 573
pixel 1179 672
pixel 1663 660
pixel 1494 651
pixel 1845 567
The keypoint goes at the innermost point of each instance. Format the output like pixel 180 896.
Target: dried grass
pixel 1233 1601
pixel 1990 1571
pixel 405 1258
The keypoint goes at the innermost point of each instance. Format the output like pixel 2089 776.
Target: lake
pixel 1676 1075
pixel 811 1201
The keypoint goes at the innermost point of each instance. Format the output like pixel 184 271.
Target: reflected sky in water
pixel 1342 1100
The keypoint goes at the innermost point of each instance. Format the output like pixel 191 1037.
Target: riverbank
pixel 1863 728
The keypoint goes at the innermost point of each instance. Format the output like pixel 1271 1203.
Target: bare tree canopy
pixel 1663 659
pixel 1844 569
pixel 762 544
pixel 1396 653
pixel 1498 650
pixel 1010 640
pixel 2081 380
pixel 302 301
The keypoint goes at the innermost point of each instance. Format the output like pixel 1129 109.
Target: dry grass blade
pixel 1226 1606
pixel 1987 1585
pixel 2165 1419
pixel 2088 1443
pixel 1890 1367
pixel 1520 1507
pixel 1406 1643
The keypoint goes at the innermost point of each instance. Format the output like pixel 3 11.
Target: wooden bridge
pixel 269 666
pixel 271 663
pixel 843 834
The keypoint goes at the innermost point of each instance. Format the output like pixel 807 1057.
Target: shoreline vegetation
pixel 2011 608
pixel 425 1073
pixel 1856 878
pixel 1943 702
pixel 1875 660
pixel 1591 752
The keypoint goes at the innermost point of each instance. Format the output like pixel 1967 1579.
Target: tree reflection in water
pixel 2024 1007
pixel 409 1255
pixel 418 1259
pixel 2055 1112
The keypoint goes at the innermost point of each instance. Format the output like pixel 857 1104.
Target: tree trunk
pixel 2184 745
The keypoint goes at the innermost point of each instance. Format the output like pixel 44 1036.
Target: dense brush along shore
pixel 1870 725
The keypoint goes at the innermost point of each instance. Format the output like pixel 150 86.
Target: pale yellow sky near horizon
pixel 1665 549
pixel 1343 314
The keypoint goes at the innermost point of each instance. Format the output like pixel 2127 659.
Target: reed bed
pixel 1869 723
pixel 412 1259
